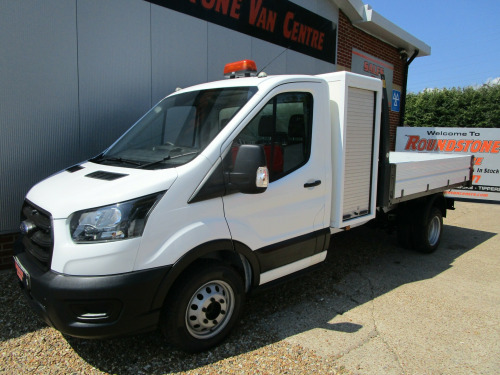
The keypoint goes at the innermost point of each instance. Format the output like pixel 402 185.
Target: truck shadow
pixel 302 304
pixel 362 264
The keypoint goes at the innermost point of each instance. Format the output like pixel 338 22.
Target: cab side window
pixel 283 127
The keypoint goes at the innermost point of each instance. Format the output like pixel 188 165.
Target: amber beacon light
pixel 238 69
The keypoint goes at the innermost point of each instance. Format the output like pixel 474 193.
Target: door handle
pixel 312 184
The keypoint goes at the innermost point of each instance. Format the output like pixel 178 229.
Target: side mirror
pixel 250 174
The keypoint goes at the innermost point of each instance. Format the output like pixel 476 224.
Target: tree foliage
pixel 457 107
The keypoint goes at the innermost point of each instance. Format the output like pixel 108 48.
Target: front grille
pixel 38 242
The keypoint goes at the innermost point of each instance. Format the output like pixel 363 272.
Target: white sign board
pixel 483 143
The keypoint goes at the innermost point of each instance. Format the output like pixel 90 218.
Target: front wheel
pixel 203 307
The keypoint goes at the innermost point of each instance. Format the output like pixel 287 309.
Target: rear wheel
pixel 203 307
pixel 428 235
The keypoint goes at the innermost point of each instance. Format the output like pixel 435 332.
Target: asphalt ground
pixel 371 308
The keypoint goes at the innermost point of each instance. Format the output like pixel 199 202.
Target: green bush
pixel 467 107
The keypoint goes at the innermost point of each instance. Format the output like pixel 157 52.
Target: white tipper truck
pixel 219 189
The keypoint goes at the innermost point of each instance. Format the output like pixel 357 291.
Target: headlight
pixel 115 222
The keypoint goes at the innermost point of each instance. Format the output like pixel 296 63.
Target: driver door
pixel 285 226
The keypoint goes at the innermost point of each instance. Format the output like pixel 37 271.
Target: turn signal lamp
pixel 238 69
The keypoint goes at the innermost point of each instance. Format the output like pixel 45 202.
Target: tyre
pixel 203 307
pixel 428 235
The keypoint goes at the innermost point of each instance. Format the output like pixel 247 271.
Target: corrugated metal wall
pixel 74 75
pixel 39 120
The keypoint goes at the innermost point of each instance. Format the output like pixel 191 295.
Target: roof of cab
pixel 260 82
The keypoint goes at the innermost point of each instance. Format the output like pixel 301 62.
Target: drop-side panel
pixel 420 173
pixel 358 153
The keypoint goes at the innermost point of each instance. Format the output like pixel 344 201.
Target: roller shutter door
pixel 358 153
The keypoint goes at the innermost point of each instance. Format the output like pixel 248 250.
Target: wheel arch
pixel 414 214
pixel 229 252
pixel 418 210
pixel 436 200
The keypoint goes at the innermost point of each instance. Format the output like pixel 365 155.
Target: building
pixel 76 74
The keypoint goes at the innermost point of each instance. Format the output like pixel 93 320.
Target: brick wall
pixel 6 250
pixel 350 37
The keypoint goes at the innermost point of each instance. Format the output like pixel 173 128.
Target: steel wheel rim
pixel 434 231
pixel 210 309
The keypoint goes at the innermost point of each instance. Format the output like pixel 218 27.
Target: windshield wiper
pixel 167 158
pixel 112 158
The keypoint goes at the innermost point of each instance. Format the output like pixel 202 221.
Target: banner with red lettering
pixel 483 143
pixel 279 22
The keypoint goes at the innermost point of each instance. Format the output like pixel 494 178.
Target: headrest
pixel 266 126
pixel 296 126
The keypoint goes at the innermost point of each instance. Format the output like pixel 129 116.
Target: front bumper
pixel 92 306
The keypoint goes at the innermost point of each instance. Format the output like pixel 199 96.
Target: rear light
pixel 243 68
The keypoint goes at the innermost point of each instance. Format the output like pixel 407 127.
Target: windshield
pixel 177 129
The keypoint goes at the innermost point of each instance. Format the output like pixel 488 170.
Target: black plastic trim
pixel 123 302
pixel 38 242
pixel 289 251
pixel 115 305
pixel 106 176
pixel 251 257
pixel 384 167
pixel 74 168
pixel 213 187
pixel 183 264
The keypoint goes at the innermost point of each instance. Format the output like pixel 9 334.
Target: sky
pixel 464 36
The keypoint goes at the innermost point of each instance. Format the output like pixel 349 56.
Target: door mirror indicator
pixel 262 180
